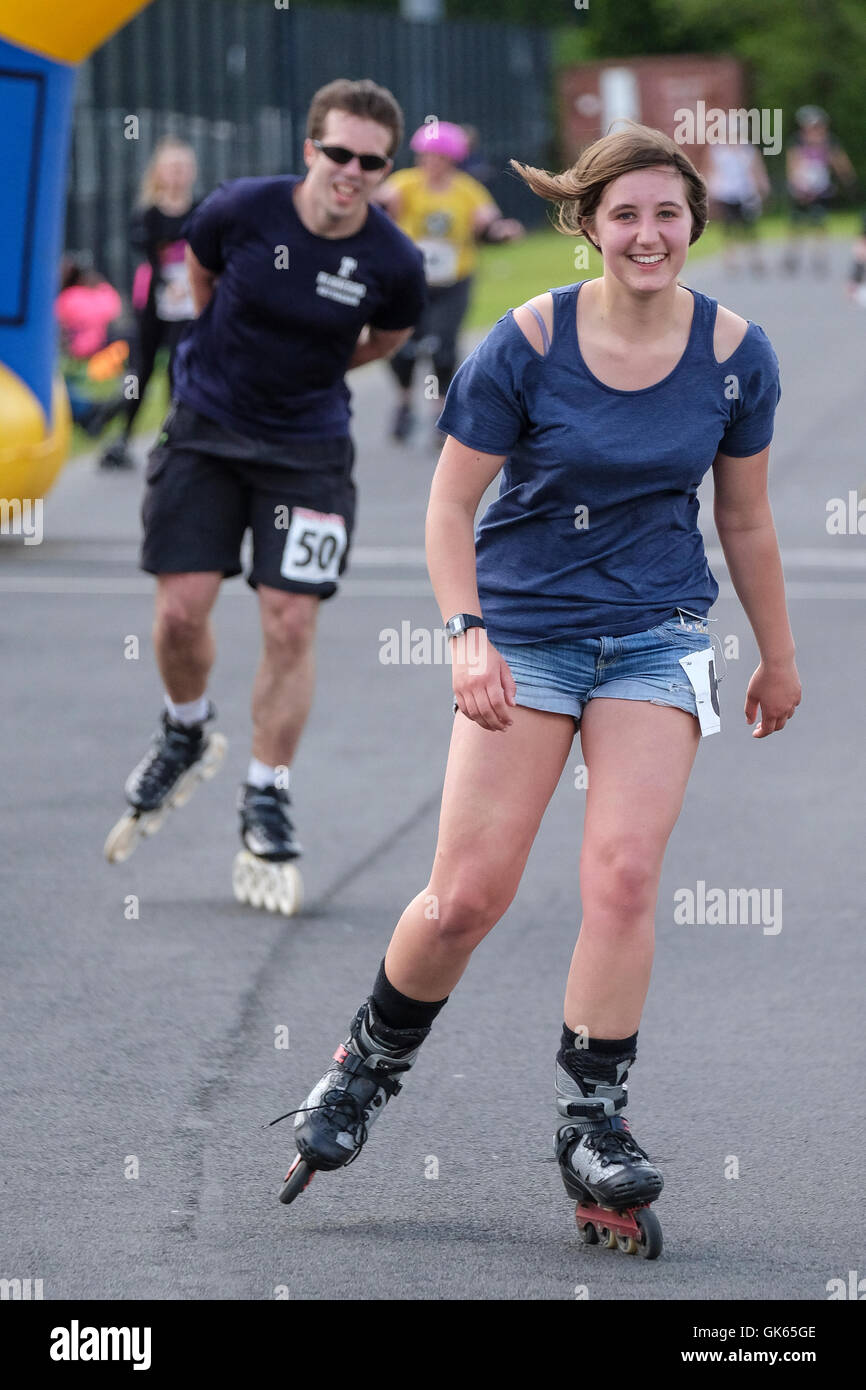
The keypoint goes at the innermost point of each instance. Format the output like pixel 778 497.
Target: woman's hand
pixel 484 687
pixel 776 688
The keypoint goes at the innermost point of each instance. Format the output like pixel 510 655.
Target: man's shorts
pixel 562 674
pixel 207 485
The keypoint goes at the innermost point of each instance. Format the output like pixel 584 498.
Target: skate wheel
pixel 242 876
pixel 606 1238
pixel 588 1233
pixel 299 1176
pixel 257 886
pixel 122 838
pixel 207 767
pixel 275 887
pixel 213 757
pixel 151 821
pixel 649 1247
pixel 627 1244
pixel 183 791
pixel 290 890
pixel 270 887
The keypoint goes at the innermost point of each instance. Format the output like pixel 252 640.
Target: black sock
pixel 399 1011
pixel 608 1047
pixel 596 1059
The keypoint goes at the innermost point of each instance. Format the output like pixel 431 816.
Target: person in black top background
pixel 161 294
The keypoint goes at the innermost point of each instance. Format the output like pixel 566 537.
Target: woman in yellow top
pixel 445 212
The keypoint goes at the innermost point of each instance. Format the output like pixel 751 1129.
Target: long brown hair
pixel 578 191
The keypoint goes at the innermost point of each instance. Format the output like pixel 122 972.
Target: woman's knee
pixel 619 877
pixel 463 911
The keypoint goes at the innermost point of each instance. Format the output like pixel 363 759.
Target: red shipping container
pixel 649 90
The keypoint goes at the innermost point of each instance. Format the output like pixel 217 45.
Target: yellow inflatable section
pixel 41 42
pixel 67 30
pixel 30 459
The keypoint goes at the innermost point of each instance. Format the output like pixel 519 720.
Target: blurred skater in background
pixel 85 307
pixel 738 185
pixel 161 295
pixel 446 213
pixel 814 156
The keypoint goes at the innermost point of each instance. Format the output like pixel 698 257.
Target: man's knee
pixel 288 621
pixel 183 605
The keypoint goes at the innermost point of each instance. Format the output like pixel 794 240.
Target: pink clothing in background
pixel 84 313
pixel 141 286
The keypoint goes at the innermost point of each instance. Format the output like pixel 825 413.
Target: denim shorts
pixel 560 675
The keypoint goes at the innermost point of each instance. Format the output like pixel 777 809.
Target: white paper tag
pixel 173 295
pixel 314 547
pixel 700 667
pixel 440 261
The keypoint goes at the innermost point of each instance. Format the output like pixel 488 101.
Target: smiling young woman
pixel 604 403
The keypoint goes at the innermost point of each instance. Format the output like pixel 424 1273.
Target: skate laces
pixel 270 805
pixel 614 1143
pixel 171 748
pixel 336 1101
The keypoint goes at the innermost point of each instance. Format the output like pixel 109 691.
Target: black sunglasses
pixel 339 155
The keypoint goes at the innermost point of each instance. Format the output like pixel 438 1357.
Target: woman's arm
pixel 483 684
pixel 744 521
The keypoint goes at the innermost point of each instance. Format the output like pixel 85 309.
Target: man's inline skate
pixel 179 757
pixel 265 873
pixel 604 1170
pixel 333 1124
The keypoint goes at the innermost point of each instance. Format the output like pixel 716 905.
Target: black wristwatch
pixel 461 622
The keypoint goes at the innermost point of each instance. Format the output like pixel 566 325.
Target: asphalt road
pixel 146 1044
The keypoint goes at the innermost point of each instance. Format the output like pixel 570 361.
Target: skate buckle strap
pixel 591 1108
pixel 356 1065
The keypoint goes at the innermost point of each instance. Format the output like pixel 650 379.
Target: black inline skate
pixel 604 1170
pixel 333 1124
pixel 265 874
pixel 180 756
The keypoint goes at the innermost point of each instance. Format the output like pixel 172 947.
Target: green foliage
pixel 796 51
pixel 810 51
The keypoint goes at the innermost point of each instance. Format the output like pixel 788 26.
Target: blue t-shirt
pixel 268 354
pixel 595 529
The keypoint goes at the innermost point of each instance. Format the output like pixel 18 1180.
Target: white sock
pixel 260 775
pixel 193 712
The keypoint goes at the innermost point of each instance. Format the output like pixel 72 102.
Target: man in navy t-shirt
pixel 295 281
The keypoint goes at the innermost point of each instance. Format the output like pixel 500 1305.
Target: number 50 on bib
pixel 315 545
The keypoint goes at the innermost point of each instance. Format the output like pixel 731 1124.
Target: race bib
pixel 440 261
pixel 173 294
pixel 315 545
pixel 700 668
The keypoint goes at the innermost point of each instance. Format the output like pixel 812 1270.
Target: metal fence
pixel 235 79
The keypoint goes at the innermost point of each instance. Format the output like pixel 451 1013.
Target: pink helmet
pixel 441 137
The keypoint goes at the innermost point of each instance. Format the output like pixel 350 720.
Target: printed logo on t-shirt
pixel 438 224
pixel 341 286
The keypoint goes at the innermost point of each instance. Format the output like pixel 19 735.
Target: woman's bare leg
pixel 638 757
pixel 497 787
